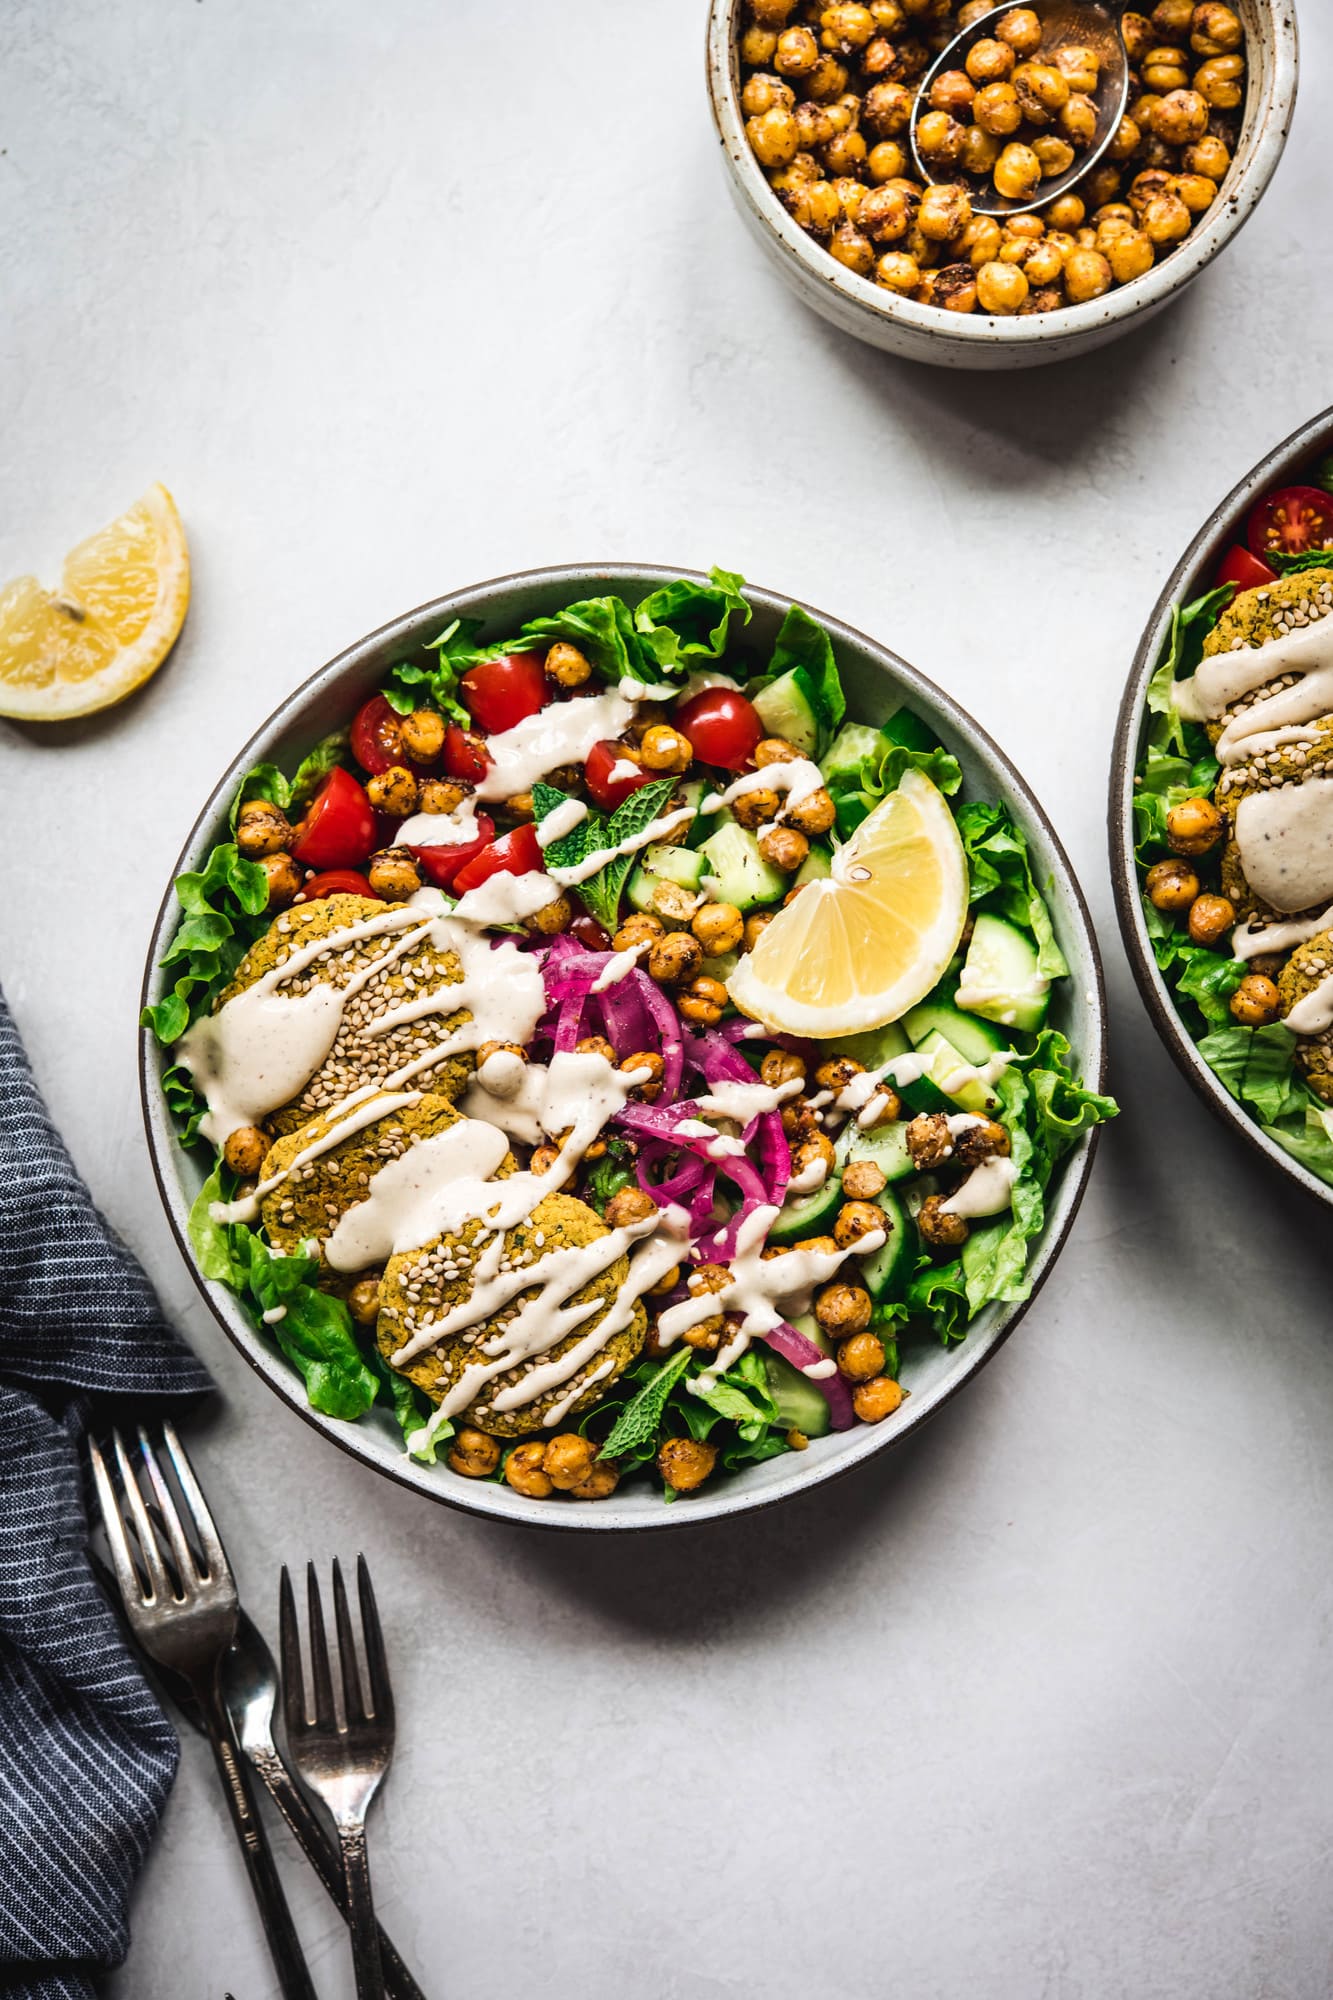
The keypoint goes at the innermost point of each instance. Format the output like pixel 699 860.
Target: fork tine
pixel 187 1567
pixel 293 1686
pixel 210 1541
pixel 159 1587
pixel 377 1662
pixel 127 1576
pixel 320 1676
pixel 354 1708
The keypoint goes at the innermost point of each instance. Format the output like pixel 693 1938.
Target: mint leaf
pixel 580 841
pixel 637 1423
pixel 602 891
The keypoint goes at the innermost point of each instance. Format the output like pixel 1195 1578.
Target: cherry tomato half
pixel 1238 566
pixel 516 853
pixel 465 754
pixel 441 865
pixel 335 882
pixel 608 791
pixel 338 830
pixel 1292 520
pixel 377 739
pixel 722 725
pixel 501 692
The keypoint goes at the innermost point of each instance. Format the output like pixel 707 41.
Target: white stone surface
pixel 396 297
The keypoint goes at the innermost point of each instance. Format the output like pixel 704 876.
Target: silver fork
pixel 342 1759
pixel 186 1622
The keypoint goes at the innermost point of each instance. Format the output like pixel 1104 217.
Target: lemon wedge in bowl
pixel 121 603
pixel 861 947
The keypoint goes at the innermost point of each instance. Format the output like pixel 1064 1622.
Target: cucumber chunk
pixel 975 1040
pixel 663 881
pixel 739 873
pixel 787 707
pixel 874 1046
pixel 853 742
pixel 808 1214
pixel 1000 980
pixel 886 1271
pixel 817 867
pixel 886 1145
pixel 800 1403
pixel 906 728
pixel 945 1061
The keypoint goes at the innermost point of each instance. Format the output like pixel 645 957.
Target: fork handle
pixel 361 1910
pixel 284 1945
pixel 323 1858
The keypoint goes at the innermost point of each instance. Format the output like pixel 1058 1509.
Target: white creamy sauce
pixel 864 1097
pixel 1282 832
pixel 1314 1011
pixel 577 1092
pixel 560 822
pixel 740 1102
pixel 619 966
pixel 623 769
pixel 364 1107
pixel 449 829
pixel 401 1211
pixel 796 779
pixel 561 733
pixel 592 864
pixel 506 899
pixel 809 1178
pixel 719 1145
pixel 987 1190
pixel 1253 939
pixel 764 1291
pixel 986 997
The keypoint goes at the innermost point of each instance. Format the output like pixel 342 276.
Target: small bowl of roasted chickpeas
pixel 1221 810
pixel 890 155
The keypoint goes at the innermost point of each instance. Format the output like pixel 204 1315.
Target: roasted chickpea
pixel 675 958
pixel 1172 18
pixel 815 206
pixel 526 1472
pixel 1256 1001
pixel 757 46
pixel 1137 33
pixel 816 1147
pixel 1056 155
pixel 1210 918
pixel 628 1205
pixel 475 1454
pixel 772 13
pixel 565 664
pixel 1079 65
pixel 1214 30
pixel 1194 826
pixel 1078 122
pixel 1209 156
pixel 940 1227
pixel 990 61
pixel 1196 191
pixel 783 847
pixel 1129 253
pixel 854 1220
pixel 1103 185
pixel 755 926
pixel 262 829
pixel 1001 287
pixel 1065 212
pixel 1087 275
pixel 886 215
pixel 845 153
pixel 827 80
pixel 245 1151
pixel 1166 219
pixel 441 795
pixel 929 1140
pixel 568 1460
pixel 1220 82
pixel 876 1399
pixel 1017 174
pixel 1126 141
pixel 423 735
pixel 847 27
pixel 1041 90
pixel 1145 187
pixel 898 272
pixel 814 814
pixel 981 240
pixel 592 1045
pixel 393 791
pixel 719 927
pixel 283 880
pixel 996 110
pixel 704 1000
pixel 665 749
pixel 944 213
pixel 1180 118
pixel 814 123
pixel 860 1357
pixel 551 920
pixel 1045 265
pixel 886 161
pixel 843 1310
pixel 636 930
pixel 773 137
pixel 886 109
pixel 939 138
pixel 543 1159
pixel 781 1066
pixel 756 808
pixel 649 1088
pixel 817 1246
pixel 836 1072
pixel 953 91
pixel 1021 30
pixel 980 152
pixel 985 1140
pixel 862 1180
pixel 1165 70
pixel 602 1481
pixel 685 1463
pixel 797 52
pixel 363 1301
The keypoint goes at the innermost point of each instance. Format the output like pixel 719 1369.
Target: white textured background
pixel 397 296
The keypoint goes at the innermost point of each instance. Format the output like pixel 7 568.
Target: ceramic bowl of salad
pixel 620 1048
pixel 1221 810
pixel 914 172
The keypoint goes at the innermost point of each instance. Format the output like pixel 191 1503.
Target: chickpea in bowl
pixel 829 91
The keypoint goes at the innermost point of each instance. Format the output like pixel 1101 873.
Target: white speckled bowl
pixel 976 340
pixel 876 681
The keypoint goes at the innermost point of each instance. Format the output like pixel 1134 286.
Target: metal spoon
pixel 1084 23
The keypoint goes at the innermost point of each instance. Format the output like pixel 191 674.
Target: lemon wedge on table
pixel 121 603
pixel 861 947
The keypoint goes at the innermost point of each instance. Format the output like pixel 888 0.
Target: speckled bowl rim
pixel 1264 135
pixel 1185 582
pixel 806 1469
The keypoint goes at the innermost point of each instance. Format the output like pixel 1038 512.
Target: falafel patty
pixel 1308 967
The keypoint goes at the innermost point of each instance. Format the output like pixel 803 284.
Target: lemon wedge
pixel 121 603
pixel 861 947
